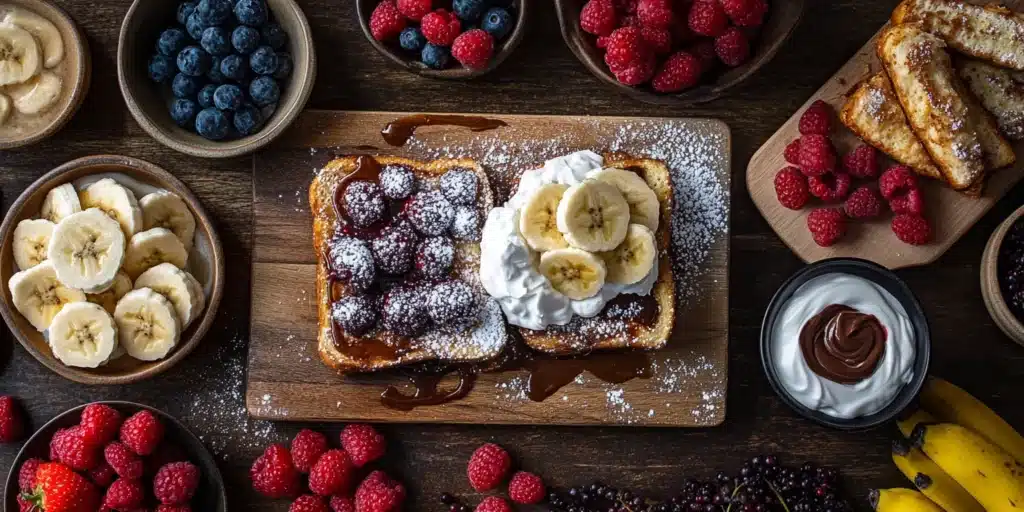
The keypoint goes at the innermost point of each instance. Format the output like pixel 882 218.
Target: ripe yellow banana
pixel 906 425
pixel 986 471
pixel 932 480
pixel 951 404
pixel 901 500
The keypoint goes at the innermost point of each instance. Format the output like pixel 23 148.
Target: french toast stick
pixel 991 33
pixel 1001 92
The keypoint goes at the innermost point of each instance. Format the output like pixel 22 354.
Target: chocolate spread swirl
pixel 842 344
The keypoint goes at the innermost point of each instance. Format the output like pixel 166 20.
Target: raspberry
pixel 75 450
pixel 473 48
pixel 12 422
pixel 176 483
pixel 24 505
pixel 912 203
pixel 493 504
pixel 598 17
pixel 707 18
pixel 101 423
pixel 102 475
pixel 659 40
pixel 817 119
pixel 863 203
pixel 746 13
pixel 704 50
pixel 387 21
pixel 342 504
pixel 440 27
pixel 308 503
pixel 27 474
pixel 732 47
pixel 414 9
pixel 636 74
pixel 911 229
pixel 630 20
pixel 332 474
pixel 124 461
pixel 173 508
pixel 862 162
pixel 791 188
pixel 142 432
pixel 833 186
pixel 307 447
pixel 273 474
pixel 817 156
pixel 627 6
pixel 680 71
pixel 792 153
pixel 626 47
pixel 896 181
pixel 827 226
pixel 602 42
pixel 363 443
pixel 488 467
pixel 379 493
pixel 124 495
pixel 655 13
pixel 526 488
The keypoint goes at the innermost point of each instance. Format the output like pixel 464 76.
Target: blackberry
pixel 355 315
pixel 405 313
pixel 364 203
pixel 393 249
pixel 352 261
pixel 459 186
pixel 430 213
pixel 452 304
pixel 397 181
pixel 466 224
pixel 434 257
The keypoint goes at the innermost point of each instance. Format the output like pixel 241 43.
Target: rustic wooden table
pixel 542 77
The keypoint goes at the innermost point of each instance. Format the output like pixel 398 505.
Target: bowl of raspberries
pixel 115 456
pixel 215 78
pixel 676 51
pixel 452 39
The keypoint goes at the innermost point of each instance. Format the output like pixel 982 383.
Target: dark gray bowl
pixel 891 283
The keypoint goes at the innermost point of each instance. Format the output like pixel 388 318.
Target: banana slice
pixel 60 202
pixel 31 239
pixel 43 30
pixel 38 295
pixel 633 259
pixel 37 94
pixel 116 201
pixel 575 273
pixel 166 210
pixel 151 248
pixel 5 108
pixel 537 220
pixel 174 283
pixel 108 299
pixel 593 216
pixel 644 207
pixel 82 335
pixel 147 324
pixel 87 249
pixel 20 56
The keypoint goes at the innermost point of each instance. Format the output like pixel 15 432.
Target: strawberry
pixel 60 489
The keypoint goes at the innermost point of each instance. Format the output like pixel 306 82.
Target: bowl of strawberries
pixel 676 51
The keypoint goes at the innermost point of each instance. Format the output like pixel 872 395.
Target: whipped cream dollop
pixel 508 267
pixel 845 401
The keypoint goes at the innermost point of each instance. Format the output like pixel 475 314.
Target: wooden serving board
pixel 287 381
pixel 950 213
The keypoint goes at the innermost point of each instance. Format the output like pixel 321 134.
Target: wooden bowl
pixel 458 72
pixel 206 262
pixel 77 75
pixel 210 496
pixel 147 102
pixel 782 19
pixel 991 291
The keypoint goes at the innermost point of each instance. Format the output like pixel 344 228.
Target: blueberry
pixel 194 61
pixel 161 68
pixel 264 91
pixel 263 61
pixel 469 10
pixel 233 67
pixel 195 25
pixel 216 41
pixel 185 86
pixel 172 41
pixel 284 66
pixel 214 12
pixel 248 120
pixel 228 97
pixel 212 124
pixel 251 12
pixel 497 22
pixel 206 95
pixel 274 36
pixel 214 74
pixel 245 39
pixel 183 111
pixel 185 10
pixel 412 39
pixel 435 56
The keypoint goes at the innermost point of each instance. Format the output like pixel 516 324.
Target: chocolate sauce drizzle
pixel 399 131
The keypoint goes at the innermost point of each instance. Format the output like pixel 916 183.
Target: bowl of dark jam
pixel 1002 276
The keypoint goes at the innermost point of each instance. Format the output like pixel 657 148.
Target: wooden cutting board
pixel 287 381
pixel 950 213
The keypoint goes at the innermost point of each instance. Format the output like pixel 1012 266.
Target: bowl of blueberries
pixel 215 78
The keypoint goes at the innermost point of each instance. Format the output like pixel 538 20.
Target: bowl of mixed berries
pixel 215 78
pixel 676 51
pixel 453 39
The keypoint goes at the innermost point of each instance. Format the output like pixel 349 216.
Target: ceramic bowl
pixel 991 291
pixel 210 495
pixel 899 290
pixel 147 102
pixel 781 20
pixel 206 263
pixel 456 71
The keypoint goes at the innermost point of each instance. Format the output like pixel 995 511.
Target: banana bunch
pixel 599 231
pixel 31 47
pixel 103 273
pixel 961 456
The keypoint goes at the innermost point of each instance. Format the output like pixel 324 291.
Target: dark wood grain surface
pixel 542 77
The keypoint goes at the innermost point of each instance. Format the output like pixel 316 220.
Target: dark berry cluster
pixel 1011 268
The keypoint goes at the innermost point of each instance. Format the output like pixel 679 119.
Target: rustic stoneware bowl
pixel 456 72
pixel 148 102
pixel 77 74
pixel 991 291
pixel 206 262
pixel 782 19
pixel 210 496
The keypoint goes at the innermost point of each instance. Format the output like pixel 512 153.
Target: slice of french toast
pixel 380 349
pixel 1001 92
pixel 992 32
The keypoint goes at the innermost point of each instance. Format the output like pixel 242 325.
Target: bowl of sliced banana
pixel 45 71
pixel 111 268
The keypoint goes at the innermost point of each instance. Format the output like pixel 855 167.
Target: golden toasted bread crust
pixel 1001 92
pixel 992 33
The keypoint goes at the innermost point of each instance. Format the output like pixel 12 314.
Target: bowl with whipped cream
pixel 846 343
